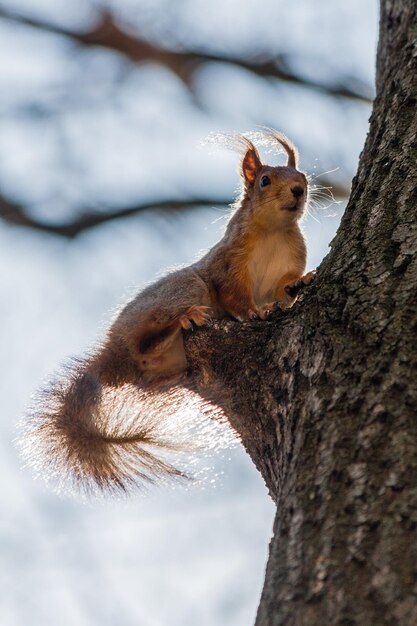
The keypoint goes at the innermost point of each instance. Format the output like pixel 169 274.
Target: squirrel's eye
pixel 265 180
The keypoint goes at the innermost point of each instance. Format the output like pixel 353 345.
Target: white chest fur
pixel 272 257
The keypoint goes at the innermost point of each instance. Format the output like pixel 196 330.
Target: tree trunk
pixel 324 396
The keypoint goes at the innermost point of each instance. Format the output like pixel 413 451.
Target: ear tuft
pixel 270 137
pixel 251 164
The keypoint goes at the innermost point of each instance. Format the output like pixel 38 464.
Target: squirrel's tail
pixel 92 434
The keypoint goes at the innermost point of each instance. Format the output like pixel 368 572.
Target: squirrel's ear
pixel 251 164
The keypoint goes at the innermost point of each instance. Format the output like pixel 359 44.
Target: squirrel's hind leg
pixel 161 350
pixel 152 324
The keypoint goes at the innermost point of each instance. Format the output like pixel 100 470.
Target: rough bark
pixel 324 396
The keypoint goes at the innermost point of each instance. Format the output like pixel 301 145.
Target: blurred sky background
pixel 102 109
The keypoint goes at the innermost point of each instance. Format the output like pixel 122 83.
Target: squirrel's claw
pixel 253 315
pixel 266 310
pixel 200 315
pixel 185 322
pixel 309 277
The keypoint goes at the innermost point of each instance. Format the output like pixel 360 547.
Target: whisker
pixel 320 187
pixel 221 217
pixel 328 172
pixel 310 213
pixel 329 201
pixel 314 176
pixel 321 197
pixel 323 193
pixel 324 197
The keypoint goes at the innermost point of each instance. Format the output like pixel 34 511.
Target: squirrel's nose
pixel 297 191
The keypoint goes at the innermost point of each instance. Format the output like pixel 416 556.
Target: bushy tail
pixel 104 438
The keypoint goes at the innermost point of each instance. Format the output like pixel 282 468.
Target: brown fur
pixel 243 276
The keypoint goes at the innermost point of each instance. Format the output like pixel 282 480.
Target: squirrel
pixel 259 263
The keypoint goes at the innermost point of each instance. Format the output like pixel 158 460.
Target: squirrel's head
pixel 277 195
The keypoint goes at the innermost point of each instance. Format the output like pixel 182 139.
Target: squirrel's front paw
pixel 266 309
pixel 262 312
pixel 293 289
pixel 244 316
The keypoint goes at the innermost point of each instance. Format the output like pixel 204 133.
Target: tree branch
pixel 109 34
pixel 324 396
pixel 17 215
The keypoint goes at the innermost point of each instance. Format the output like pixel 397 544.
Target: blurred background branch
pixel 108 33
pixel 61 113
pixel 16 214
pixel 20 216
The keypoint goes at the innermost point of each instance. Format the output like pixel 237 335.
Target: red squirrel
pixel 259 263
